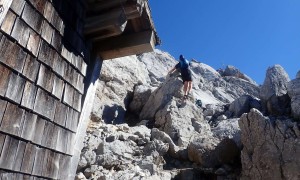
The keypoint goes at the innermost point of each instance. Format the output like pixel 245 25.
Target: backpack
pixel 184 64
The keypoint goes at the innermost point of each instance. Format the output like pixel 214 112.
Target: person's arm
pixel 172 70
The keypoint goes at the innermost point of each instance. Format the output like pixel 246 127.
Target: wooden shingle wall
pixel 43 62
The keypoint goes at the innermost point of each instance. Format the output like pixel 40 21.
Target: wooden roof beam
pixel 125 45
pixel 105 25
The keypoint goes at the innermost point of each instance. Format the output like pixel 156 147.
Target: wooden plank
pixel 33 42
pixel 28 158
pixel 38 131
pixel 2 140
pixel 4 80
pixel 12 121
pixel 58 87
pixel 77 101
pixel 69 118
pixel 15 57
pixel 47 31
pixel 20 32
pixel 126 45
pixel 75 120
pixel 38 5
pixel 8 154
pixel 38 162
pixel 56 40
pixel 46 54
pixel 29 95
pixel 5 6
pixel 65 52
pixel 45 104
pixel 29 126
pixel 31 68
pixel 57 21
pixel 60 146
pixel 68 94
pixel 32 18
pixel 15 88
pixel 70 144
pixel 65 161
pixel 19 156
pixel 49 136
pixel 3 104
pixel 45 78
pixel 97 6
pixel 7 176
pixel 59 65
pixel 68 73
pixel 80 84
pixel 48 11
pixel 8 22
pixel 105 25
pixel 51 165
pixel 17 6
pixel 83 68
pixel 60 114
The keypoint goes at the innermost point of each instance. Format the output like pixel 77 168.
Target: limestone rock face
pixel 233 71
pixel 270 146
pixel 275 83
pixel 243 105
pixel 294 93
pixel 140 97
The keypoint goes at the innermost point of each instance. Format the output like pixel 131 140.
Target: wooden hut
pixel 50 57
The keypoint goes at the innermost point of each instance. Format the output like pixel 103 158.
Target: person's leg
pixel 185 88
pixel 189 87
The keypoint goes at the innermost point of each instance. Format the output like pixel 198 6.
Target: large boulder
pixel 233 71
pixel 294 93
pixel 140 97
pixel 270 146
pixel 243 105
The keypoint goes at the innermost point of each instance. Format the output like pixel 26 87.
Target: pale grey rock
pixel 294 94
pixel 275 83
pixel 156 145
pixel 243 105
pixel 233 71
pixel 140 97
pixel 80 176
pixel 270 146
pixel 298 75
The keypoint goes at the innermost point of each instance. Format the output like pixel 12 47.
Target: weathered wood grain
pixel 20 32
pixel 8 154
pixel 50 135
pixel 38 131
pixel 80 84
pixel 69 118
pixel 45 78
pixel 59 65
pixel 15 88
pixel 56 40
pixel 38 162
pixel 33 42
pixel 31 68
pixel 51 164
pixel 3 104
pixel 44 104
pixel 29 157
pixel 4 80
pixel 70 144
pixel 75 120
pixel 58 87
pixel 77 101
pixel 60 114
pixel 19 156
pixel 8 22
pixel 5 7
pixel 2 140
pixel 29 126
pixel 12 121
pixel 7 176
pixel 38 4
pixel 17 6
pixel 48 11
pixel 15 57
pixel 29 95
pixel 65 161
pixel 47 31
pixel 33 18
pixel 57 21
pixel 60 145
pixel 68 94
pixel 46 54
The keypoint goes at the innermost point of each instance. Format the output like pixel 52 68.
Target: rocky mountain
pixel 228 128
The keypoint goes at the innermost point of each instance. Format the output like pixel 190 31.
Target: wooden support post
pixel 126 45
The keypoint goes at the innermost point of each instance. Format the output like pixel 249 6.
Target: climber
pixel 186 75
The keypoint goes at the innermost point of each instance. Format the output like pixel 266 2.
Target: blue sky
pixel 251 35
